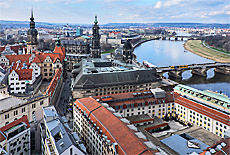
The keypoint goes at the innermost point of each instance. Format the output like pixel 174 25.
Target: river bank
pixel 196 47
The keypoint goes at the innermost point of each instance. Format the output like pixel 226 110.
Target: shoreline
pixel 204 54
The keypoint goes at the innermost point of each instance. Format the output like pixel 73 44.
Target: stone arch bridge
pixel 198 69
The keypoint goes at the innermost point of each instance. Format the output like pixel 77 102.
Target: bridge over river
pixel 198 69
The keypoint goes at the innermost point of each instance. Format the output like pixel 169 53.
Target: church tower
pixel 96 48
pixel 32 42
pixel 128 52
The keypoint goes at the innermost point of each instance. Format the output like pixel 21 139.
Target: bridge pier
pixel 176 38
pixel 169 38
pixel 182 38
pixel 200 71
pixel 223 70
pixel 160 74
pixel 163 38
pixel 175 74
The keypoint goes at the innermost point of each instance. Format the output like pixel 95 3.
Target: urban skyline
pixel 117 11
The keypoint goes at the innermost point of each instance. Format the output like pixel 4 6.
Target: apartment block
pixel 15 137
pixel 104 131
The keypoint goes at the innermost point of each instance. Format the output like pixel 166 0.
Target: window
pixel 45 65
pixel 34 105
pixel 23 109
pixel 6 116
pixel 71 151
pixel 15 112
pixel 19 148
pixel 45 70
pixel 41 102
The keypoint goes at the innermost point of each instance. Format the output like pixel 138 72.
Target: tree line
pixel 218 42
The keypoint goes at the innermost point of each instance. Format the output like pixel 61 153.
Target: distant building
pixel 79 32
pixel 128 52
pixel 32 43
pixel 76 50
pixel 7 51
pixel 96 48
pixel 15 136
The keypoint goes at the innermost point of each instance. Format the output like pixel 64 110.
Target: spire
pixel 32 18
pixel 95 22
pixel 58 43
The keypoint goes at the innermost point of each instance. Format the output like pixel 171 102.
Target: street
pixel 64 102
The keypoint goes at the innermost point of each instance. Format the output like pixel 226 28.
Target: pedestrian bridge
pixel 198 69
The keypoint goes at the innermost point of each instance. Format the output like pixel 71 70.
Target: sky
pixel 117 11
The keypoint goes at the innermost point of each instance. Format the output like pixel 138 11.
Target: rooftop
pixel 6 99
pixel 100 72
pixel 184 145
pixel 118 131
pixel 12 126
pixel 204 109
pixel 217 99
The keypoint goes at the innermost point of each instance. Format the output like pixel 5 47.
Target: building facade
pixel 15 137
pixel 55 134
pixel 196 107
pixel 93 77
pixel 141 102
pixel 92 122
pixel 20 107
pixel 55 87
pixel 128 52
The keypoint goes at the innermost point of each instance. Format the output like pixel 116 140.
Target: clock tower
pixel 32 42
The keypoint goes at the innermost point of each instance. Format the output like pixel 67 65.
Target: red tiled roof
pixel 12 124
pixel 114 32
pixel 41 57
pixel 20 65
pixel 146 120
pixel 204 110
pixel 113 128
pixel 24 74
pixel 15 58
pixel 133 98
pixel 156 126
pixel 60 50
pixel 2 48
pixel 50 89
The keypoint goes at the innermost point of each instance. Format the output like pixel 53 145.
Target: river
pixel 171 53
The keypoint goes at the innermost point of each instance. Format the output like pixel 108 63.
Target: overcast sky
pixel 117 11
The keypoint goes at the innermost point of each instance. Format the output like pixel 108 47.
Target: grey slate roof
pixel 179 144
pixel 115 78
